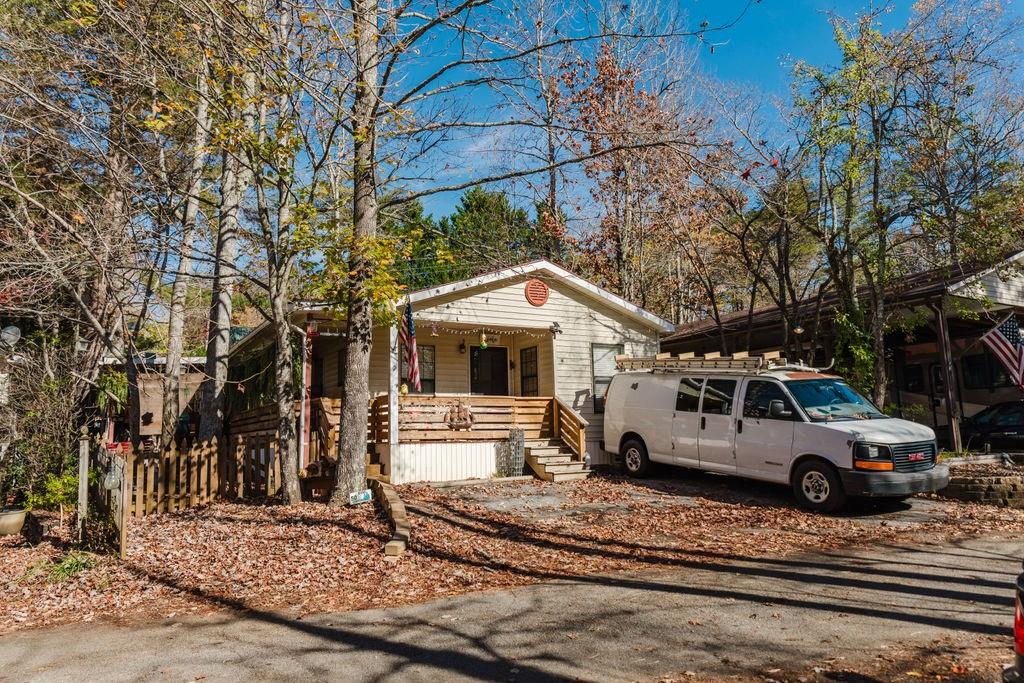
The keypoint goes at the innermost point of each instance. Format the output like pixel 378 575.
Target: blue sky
pixel 760 50
pixel 773 34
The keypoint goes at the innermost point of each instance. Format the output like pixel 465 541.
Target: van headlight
pixel 872 456
pixel 871 451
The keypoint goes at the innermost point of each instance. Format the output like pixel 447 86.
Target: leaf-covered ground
pixel 312 558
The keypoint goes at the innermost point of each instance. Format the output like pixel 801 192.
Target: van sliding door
pixel 717 431
pixel 686 422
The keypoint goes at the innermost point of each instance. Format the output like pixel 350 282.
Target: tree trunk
pixel 211 422
pixel 284 396
pixel 352 461
pixel 179 291
pixel 881 379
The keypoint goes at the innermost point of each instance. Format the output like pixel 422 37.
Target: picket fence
pixel 171 480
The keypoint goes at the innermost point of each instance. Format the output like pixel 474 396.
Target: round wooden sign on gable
pixel 537 292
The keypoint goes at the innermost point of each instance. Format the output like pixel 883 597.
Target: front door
pixel 488 371
pixel 715 438
pixel 764 444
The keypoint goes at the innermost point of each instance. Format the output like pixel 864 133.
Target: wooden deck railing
pixel 434 418
pixel 378 421
pixel 571 428
pixel 325 418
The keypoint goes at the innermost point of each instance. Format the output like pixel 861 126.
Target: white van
pixel 786 424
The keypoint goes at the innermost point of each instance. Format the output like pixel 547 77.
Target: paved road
pixel 726 617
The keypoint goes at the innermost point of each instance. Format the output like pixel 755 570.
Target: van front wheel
pixel 817 487
pixel 634 458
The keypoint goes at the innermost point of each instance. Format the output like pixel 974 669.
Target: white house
pixel 531 346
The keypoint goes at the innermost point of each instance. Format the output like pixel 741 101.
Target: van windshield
pixel 830 399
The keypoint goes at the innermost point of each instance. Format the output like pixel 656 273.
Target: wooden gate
pixel 104 489
pixel 167 481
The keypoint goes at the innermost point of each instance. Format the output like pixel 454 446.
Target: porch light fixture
pixel 798 330
pixel 462 346
pixel 483 340
pixel 433 329
pixel 555 329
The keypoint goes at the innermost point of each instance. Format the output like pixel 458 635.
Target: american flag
pixel 407 333
pixel 1004 341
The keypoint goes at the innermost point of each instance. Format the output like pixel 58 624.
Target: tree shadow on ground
pixel 735 490
pixel 838 574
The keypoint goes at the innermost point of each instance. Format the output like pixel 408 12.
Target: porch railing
pixel 437 418
pixel 570 428
pixel 378 424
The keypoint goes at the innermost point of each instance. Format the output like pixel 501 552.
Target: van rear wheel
pixel 817 486
pixel 634 458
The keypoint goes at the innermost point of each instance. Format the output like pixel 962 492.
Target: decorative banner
pixel 537 292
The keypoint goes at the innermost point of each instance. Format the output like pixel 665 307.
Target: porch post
pixel 393 380
pixel 949 375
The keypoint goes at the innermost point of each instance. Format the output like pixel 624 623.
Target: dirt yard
pixel 310 558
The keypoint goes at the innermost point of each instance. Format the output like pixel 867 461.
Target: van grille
pixel 902 452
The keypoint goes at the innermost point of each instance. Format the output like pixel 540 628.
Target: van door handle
pixel 739 426
pixel 703 422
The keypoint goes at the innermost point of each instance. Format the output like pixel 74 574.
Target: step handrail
pixel 575 437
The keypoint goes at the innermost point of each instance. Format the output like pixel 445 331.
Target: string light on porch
pixel 553 330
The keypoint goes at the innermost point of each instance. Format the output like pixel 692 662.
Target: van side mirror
pixel 777 410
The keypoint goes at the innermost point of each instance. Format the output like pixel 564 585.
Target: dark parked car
pixel 1015 673
pixel 1000 426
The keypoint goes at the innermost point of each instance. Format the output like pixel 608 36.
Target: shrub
pixel 70 566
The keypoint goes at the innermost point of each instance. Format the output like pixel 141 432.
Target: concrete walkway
pixel 730 616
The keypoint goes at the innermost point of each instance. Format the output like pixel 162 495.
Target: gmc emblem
pixel 916 457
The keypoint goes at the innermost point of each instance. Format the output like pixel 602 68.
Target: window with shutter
pixel 602 358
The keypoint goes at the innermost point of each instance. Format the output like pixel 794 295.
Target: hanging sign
pixel 537 292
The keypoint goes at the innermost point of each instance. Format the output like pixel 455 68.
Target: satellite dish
pixel 10 335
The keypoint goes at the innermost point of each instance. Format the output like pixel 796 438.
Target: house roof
pixel 539 268
pixel 911 290
pixel 542 267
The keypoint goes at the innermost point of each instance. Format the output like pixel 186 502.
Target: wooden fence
pixel 168 481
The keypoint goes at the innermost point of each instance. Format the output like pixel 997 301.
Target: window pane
pixel 604 358
pixel 913 378
pixel 688 396
pixel 718 396
pixel 427 368
pixel 426 362
pixel 528 385
pixel 975 370
pixel 759 396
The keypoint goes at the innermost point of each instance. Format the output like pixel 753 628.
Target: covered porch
pixel 453 437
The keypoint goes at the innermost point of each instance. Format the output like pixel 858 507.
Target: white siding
pixel 583 320
pixel 405 463
pixel 1003 285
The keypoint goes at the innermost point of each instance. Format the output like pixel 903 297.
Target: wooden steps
pixel 553 461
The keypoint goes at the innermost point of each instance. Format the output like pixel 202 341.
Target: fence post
pixel 83 480
pixel 126 498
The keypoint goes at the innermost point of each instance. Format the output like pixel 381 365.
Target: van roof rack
pixel 740 362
